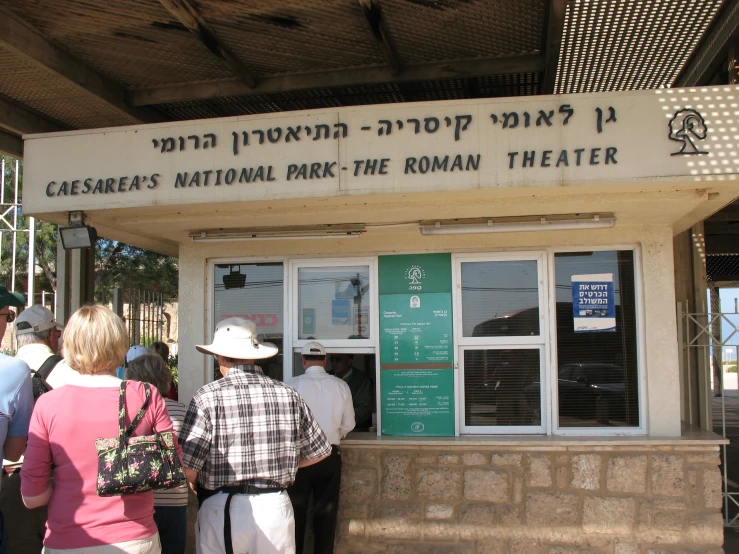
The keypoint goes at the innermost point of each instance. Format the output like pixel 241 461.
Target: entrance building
pixel 502 270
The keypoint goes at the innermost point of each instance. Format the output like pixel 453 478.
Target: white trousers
pixel 144 546
pixel 260 524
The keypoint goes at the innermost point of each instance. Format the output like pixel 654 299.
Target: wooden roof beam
pixel 24 41
pixel 478 67
pixel 20 121
pixel 553 43
pixel 11 144
pixel 193 22
pixel 711 51
pixel 373 15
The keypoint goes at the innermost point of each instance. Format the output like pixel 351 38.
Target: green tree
pixel 46 237
pixel 128 267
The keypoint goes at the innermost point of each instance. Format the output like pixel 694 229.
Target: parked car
pixel 596 375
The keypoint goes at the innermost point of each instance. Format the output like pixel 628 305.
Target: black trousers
pixel 324 481
pixel 25 528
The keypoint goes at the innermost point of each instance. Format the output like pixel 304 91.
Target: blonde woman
pixel 65 423
pixel 170 506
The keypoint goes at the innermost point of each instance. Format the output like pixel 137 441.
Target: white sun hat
pixel 236 338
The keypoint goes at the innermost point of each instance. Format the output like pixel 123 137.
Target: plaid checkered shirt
pixel 248 428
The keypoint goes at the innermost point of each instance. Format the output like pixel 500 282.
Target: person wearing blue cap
pixel 16 405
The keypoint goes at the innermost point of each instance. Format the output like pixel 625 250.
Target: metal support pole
pixel 31 260
pixel 15 227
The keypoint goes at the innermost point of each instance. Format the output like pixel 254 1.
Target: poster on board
pixel 593 303
pixel 416 345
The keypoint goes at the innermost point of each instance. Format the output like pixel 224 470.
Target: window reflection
pixel 334 303
pixel 254 292
pixel 502 387
pixel 500 299
pixel 598 382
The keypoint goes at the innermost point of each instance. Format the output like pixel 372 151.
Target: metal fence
pixel 711 340
pixel 143 312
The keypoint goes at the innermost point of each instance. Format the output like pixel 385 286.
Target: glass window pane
pixel 502 387
pixel 598 383
pixel 500 299
pixel 255 292
pixel 334 303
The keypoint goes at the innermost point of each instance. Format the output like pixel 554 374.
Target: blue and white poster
pixel 340 312
pixel 593 303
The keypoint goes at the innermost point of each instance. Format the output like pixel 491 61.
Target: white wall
pixel 659 343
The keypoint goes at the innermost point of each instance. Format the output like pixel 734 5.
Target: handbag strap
pixel 124 433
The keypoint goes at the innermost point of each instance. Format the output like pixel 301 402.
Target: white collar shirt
pixel 36 354
pixel 330 400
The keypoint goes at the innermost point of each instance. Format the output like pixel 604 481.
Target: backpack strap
pixel 45 370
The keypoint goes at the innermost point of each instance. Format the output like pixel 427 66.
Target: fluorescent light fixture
pixel 508 226
pixel 77 235
pixel 307 233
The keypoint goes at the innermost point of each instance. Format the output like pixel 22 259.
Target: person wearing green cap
pixel 16 399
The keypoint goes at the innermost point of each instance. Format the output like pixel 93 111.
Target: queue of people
pixel 253 448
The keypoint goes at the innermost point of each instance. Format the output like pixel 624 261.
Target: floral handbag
pixel 127 465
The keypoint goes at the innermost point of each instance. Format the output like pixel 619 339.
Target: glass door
pixel 502 336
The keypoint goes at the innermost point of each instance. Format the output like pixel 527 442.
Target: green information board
pixel 418 402
pixel 416 345
pixel 416 330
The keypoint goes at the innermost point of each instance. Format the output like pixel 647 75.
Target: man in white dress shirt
pixel 330 400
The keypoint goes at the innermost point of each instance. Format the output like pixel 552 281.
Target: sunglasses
pixel 10 316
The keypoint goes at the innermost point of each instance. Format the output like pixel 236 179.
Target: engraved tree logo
pixel 686 126
pixel 414 274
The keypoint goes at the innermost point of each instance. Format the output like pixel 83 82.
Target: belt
pixel 231 490
pixel 245 488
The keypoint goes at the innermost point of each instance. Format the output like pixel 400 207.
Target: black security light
pixel 77 234
pixel 235 279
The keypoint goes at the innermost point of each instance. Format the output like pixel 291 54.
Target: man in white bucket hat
pixel 243 439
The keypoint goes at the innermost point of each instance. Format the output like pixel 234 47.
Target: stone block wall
pixel 532 500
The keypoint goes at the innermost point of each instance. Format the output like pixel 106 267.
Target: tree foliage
pixel 116 264
pixel 128 267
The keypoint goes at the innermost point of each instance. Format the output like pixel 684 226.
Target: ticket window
pixel 344 362
pixel 334 302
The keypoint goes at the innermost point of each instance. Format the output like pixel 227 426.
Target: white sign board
pixel 536 141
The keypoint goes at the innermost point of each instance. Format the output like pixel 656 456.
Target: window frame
pixel 553 376
pixel 462 343
pixel 357 346
pixel 547 336
pixel 211 303
pixel 503 429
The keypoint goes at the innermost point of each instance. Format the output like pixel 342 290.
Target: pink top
pixel 65 423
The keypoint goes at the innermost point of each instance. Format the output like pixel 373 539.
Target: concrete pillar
pixel 75 280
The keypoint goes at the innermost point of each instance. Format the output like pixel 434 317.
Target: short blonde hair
pixel 150 368
pixel 95 340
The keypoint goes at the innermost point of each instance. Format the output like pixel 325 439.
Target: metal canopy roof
pixel 76 64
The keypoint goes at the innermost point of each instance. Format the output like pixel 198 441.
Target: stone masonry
pixel 530 500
